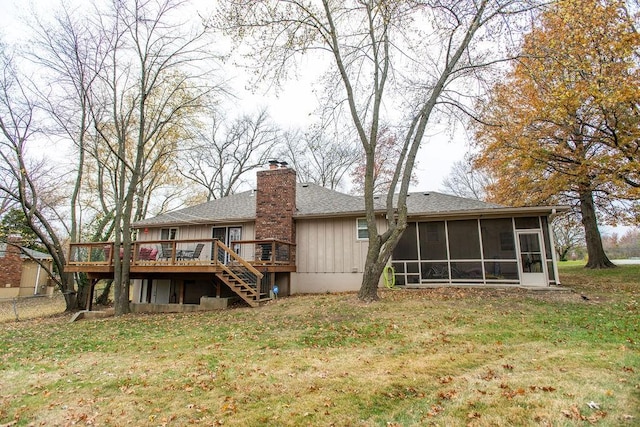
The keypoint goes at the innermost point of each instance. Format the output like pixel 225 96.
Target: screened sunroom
pixel 514 250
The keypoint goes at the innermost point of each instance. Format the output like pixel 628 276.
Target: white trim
pixel 533 278
pixel 554 258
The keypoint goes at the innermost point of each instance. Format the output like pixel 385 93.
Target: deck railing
pixel 185 252
pixel 265 252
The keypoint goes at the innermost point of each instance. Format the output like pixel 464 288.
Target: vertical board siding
pixel 330 245
pixel 194 232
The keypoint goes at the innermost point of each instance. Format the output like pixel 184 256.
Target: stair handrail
pixel 237 258
pixel 253 288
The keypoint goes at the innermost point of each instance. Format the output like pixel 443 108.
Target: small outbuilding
pixel 21 270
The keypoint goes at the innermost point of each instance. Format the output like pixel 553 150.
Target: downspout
pixel 35 291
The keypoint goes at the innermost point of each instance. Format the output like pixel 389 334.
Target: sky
pixel 293 107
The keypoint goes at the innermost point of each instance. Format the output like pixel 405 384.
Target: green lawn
pixel 430 357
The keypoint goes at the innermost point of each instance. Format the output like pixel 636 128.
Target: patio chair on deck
pixel 191 255
pixel 166 251
pixel 147 254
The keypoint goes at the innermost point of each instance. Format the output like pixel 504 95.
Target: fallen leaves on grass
pixel 489 375
pixel 448 394
pixel 435 410
pixel 229 407
pixel 574 414
pixel 445 380
pixel 543 388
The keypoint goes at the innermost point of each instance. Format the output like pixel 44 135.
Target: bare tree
pixel 464 180
pixel 221 155
pixel 157 74
pixel 320 156
pixel 388 150
pixel 66 50
pixel 24 180
pixel 394 58
pixel 568 234
pixel 68 58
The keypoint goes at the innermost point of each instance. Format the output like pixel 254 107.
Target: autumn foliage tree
pixel 563 126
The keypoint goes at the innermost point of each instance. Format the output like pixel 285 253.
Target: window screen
pixel 433 241
pixel 464 241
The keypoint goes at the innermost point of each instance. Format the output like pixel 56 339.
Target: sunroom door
pixel 532 265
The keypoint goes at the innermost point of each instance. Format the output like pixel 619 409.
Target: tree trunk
pixel 378 255
pixel 372 272
pixel 563 254
pixel 595 251
pixel 82 284
pixel 103 298
pixel 70 296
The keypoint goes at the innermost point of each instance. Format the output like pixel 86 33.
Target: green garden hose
pixel 389 275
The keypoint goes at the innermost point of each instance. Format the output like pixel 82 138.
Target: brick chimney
pixel 276 203
pixel 11 263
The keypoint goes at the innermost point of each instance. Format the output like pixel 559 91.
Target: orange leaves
pixel 447 394
pixel 574 413
pixel 565 115
pixel 229 406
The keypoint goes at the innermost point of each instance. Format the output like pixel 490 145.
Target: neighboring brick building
pixel 10 263
pixel 20 275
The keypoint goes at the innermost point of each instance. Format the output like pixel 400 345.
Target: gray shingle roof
pixel 311 200
pixel 31 252
pixel 431 202
pixel 237 207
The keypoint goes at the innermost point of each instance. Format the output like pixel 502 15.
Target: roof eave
pixel 143 224
pixel 493 212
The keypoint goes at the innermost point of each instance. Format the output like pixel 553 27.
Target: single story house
pixel 297 238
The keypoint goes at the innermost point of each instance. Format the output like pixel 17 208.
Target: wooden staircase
pixel 240 276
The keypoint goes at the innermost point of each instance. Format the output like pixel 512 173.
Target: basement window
pixel 361 228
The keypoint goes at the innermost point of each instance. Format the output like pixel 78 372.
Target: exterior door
pixel 227 235
pixel 532 263
pixel 160 291
pixel 220 233
pixel 235 234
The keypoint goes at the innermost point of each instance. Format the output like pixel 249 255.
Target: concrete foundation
pixel 213 303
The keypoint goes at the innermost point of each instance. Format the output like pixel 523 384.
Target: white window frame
pixel 359 227
pixel 172 233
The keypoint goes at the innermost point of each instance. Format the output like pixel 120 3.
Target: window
pixel 527 223
pixel 363 231
pixel 168 233
pixel 498 241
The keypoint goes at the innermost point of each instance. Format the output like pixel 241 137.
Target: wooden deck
pixel 241 267
pixel 173 257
